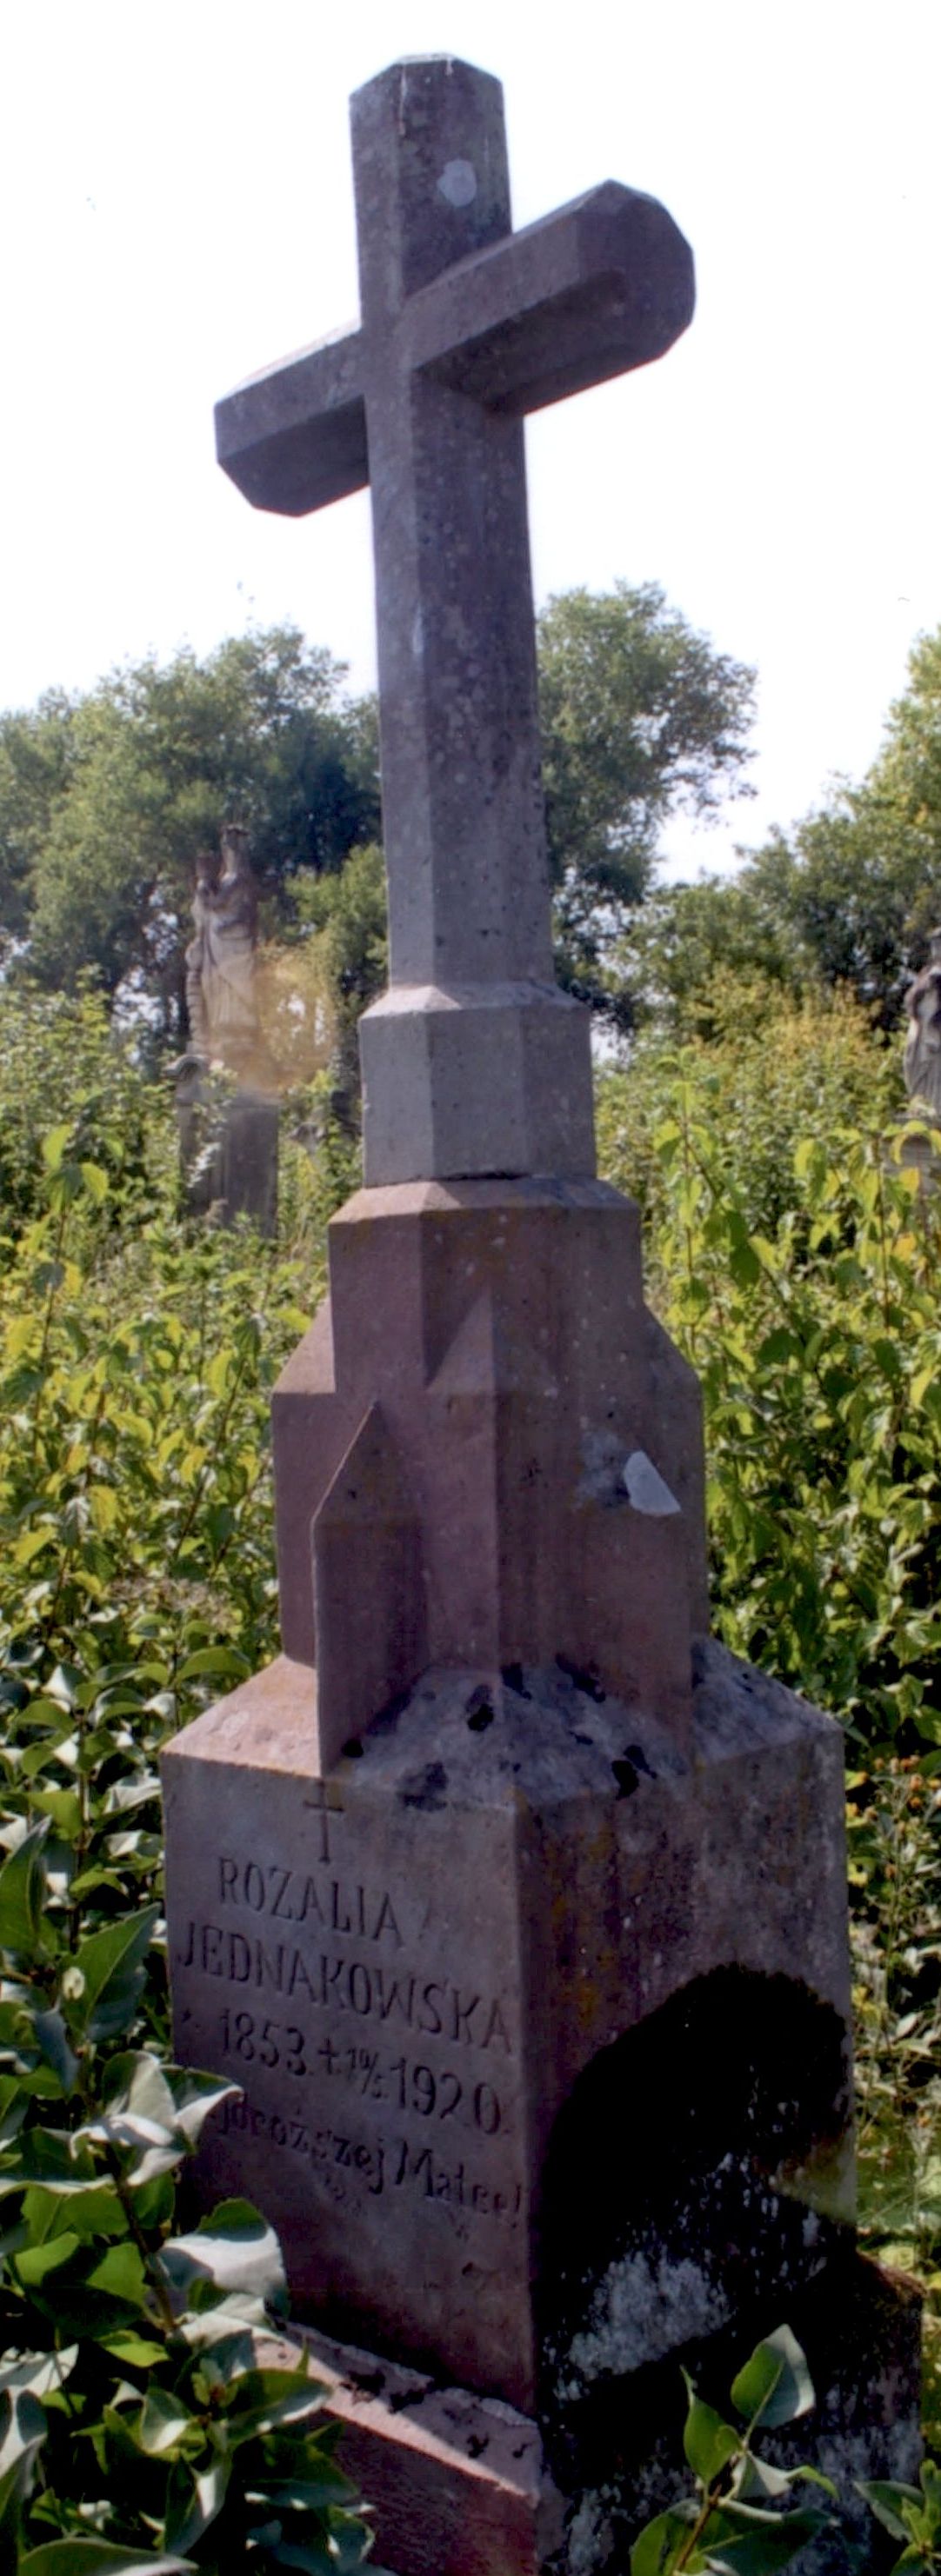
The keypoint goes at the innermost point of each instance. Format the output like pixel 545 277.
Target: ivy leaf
pixel 194 2497
pixel 265 2400
pixel 708 2442
pixel 22 1896
pixel 886 2498
pixel 112 1966
pixel 658 2546
pixel 234 2248
pixel 164 2423
pixel 52 2040
pixel 758 2544
pixel 775 2385
pixel 80 2557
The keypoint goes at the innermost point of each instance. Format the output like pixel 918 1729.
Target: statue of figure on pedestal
pixel 220 959
pixel 229 1146
pixel 922 1059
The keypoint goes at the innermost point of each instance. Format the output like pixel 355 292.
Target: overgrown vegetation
pixel 137 2413
pixel 795 1257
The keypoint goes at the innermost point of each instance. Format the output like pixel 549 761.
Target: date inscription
pixel 425 2092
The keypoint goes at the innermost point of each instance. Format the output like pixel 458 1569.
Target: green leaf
pixel 775 2385
pixel 42 2372
pixel 54 1145
pixel 194 2097
pixel 80 2557
pixel 52 2039
pixel 112 1965
pixel 132 2351
pixel 164 2422
pixel 758 2544
pixel 267 2399
pixel 657 2547
pixel 22 1896
pixel 36 2262
pixel 121 2275
pixel 234 2248
pixel 885 2498
pixel 194 2497
pixel 708 2442
pixel 217 1663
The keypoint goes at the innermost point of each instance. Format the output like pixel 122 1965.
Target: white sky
pixel 176 210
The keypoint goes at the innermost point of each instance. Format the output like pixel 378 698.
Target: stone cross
pixel 474 1061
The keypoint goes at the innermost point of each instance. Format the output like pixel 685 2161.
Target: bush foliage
pixel 794 1256
pixel 141 2422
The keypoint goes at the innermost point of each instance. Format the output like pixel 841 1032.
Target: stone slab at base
pixel 457 2484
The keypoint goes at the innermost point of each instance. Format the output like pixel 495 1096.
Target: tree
pixel 35 761
pixel 346 914
pixel 150 764
pixel 847 899
pixel 640 717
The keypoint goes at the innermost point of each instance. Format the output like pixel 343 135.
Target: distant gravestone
pixel 229 1148
pixel 922 1058
pixel 515 1907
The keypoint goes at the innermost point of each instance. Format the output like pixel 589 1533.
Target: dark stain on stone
pixel 425 1788
pixel 584 1677
pixel 476 2443
pixel 480 1714
pixel 635 1753
pixel 512 1676
pixel 369 2382
pixel 625 1776
pixel 353 1749
pixel 388 1716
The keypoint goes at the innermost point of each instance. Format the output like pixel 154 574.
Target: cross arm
pixel 294 437
pixel 605 285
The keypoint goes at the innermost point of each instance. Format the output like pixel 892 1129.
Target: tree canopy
pixel 106 799
pixel 641 717
pixel 846 899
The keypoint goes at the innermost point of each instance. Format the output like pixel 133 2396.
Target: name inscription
pixel 429 2004
pixel 354 2058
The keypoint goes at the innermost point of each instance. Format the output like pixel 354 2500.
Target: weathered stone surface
pixel 228 1151
pixel 457 2484
pixel 465 327
pixel 477 1079
pixel 410 1965
pixel 517 1374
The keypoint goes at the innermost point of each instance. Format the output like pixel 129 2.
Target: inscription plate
pixel 349 1958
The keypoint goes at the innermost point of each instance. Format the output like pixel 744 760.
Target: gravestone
pixel 475 1888
pixel 226 1090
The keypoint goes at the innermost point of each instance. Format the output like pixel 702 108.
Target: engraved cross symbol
pixel 324 1804
pixel 466 326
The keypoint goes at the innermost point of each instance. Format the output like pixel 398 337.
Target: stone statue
pixel 220 959
pixel 922 1059
pixel 229 1147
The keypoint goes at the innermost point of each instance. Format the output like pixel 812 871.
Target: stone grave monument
pixel 515 1905
pixel 228 1147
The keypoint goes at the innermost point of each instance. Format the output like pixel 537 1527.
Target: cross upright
pixel 474 1061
